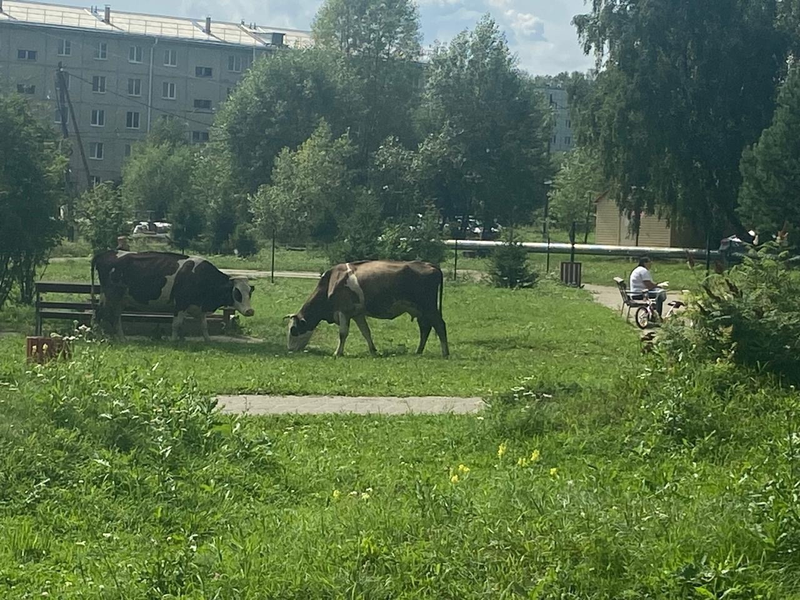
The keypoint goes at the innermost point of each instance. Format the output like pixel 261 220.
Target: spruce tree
pixel 770 192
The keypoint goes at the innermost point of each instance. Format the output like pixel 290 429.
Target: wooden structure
pixel 612 228
pixel 79 300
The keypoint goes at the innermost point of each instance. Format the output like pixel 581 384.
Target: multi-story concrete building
pixel 123 71
pixel 558 99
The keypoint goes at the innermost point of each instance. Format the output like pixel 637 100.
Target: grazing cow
pixel 375 288
pixel 166 280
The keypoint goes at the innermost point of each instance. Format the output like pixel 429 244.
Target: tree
pixel 381 42
pixel 105 214
pixel 683 87
pixel 278 105
pixel 575 189
pixel 31 183
pixel 493 121
pixel 158 174
pixel 310 189
pixel 771 169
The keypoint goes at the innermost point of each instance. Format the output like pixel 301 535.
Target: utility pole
pixel 61 101
pixel 65 91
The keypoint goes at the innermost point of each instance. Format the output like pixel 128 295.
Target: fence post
pixel 708 253
pixel 547 268
pixel 455 261
pixel 272 272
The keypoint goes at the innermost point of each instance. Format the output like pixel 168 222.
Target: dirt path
pixel 361 405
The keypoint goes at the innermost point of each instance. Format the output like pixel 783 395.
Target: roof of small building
pixel 58 15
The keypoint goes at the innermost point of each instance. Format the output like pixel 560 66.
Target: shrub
pixel 419 240
pixel 245 242
pixel 751 314
pixel 104 215
pixel 360 233
pixel 509 266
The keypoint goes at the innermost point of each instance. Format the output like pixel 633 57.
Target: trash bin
pixel 571 273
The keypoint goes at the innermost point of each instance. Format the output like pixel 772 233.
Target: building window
pixel 57 118
pixel 168 91
pixel 203 72
pixel 199 137
pixel 132 120
pixel 202 104
pixel 64 48
pixel 567 140
pixel 26 89
pixel 135 54
pixel 26 54
pixel 569 123
pixel 95 181
pixel 98 118
pixel 235 64
pixel 99 84
pixel 171 58
pixel 127 150
pixel 96 150
pixel 101 51
pixel 134 87
pixel 555 139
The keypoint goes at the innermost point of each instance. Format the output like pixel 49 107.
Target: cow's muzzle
pixel 249 312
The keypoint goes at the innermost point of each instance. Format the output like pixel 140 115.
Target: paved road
pixel 316 405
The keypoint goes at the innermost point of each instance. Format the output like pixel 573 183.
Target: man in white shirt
pixel 642 282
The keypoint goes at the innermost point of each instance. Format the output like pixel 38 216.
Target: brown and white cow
pixel 377 288
pixel 161 280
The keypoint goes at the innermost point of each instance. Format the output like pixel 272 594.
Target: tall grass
pixel 636 478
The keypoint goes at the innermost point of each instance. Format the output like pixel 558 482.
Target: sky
pixel 539 32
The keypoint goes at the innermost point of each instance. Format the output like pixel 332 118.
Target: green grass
pixel 596 270
pixel 618 477
pixel 496 337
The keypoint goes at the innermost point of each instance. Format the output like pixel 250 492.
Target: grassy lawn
pixel 496 338
pixel 596 269
pixel 594 474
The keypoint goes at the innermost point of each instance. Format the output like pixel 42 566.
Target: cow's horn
pixel 287 317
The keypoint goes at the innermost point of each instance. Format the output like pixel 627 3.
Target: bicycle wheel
pixel 642 317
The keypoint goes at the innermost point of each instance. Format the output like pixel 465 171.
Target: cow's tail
pixel 441 291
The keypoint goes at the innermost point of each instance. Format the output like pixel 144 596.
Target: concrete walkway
pixel 360 405
pixel 605 295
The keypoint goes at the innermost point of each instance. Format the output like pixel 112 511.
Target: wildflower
pixel 454 479
pixel 501 450
pixel 45 348
pixel 535 456
pixel 336 494
pixel 553 472
pixel 522 462
pixel 364 496
pixel 463 469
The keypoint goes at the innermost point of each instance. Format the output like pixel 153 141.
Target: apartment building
pixel 122 71
pixel 561 139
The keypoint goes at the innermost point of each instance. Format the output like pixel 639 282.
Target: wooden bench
pixel 82 310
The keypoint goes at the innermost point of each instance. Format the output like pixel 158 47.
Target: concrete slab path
pixel 360 405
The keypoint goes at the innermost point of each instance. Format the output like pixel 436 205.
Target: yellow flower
pixel 553 472
pixel 501 450
pixel 454 479
pixel 463 469
pixel 535 456
pixel 522 462
pixel 336 494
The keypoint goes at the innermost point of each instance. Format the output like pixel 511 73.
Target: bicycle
pixel 648 315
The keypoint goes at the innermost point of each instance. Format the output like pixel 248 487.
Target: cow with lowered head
pixel 159 280
pixel 376 288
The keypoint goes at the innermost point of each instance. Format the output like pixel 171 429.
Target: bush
pixel 245 242
pixel 751 314
pixel 360 233
pixel 509 266
pixel 105 216
pixel 419 240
